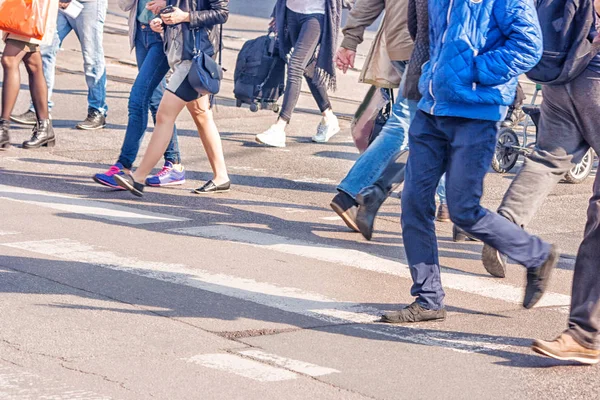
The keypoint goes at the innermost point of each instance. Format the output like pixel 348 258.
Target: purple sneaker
pixel 168 176
pixel 108 178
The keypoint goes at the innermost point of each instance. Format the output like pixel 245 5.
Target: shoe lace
pixel 164 171
pixel 113 170
pixel 322 130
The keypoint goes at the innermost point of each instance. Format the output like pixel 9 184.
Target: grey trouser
pixel 569 126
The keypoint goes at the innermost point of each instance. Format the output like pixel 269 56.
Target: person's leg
pixel 89 27
pixel 170 107
pixel 559 146
pixel 471 151
pixel 211 140
pixel 49 53
pixel 37 84
pixel 11 83
pixel 426 164
pixel 153 66
pixel 305 37
pixel 43 134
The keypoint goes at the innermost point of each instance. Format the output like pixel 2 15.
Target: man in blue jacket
pixel 478 48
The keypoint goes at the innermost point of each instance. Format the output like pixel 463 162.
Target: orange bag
pixel 24 17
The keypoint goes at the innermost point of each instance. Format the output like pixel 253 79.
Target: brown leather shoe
pixel 566 348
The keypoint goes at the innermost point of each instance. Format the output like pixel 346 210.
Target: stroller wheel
pixel 579 172
pixel 254 107
pixel 506 153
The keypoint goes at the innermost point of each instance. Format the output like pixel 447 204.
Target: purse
pixel 206 74
pixel 24 17
pixel 370 117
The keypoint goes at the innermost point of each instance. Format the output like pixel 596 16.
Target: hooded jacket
pixel 478 49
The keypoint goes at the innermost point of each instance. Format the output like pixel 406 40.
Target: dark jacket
pixel 205 15
pixel 568 28
pixel 418 26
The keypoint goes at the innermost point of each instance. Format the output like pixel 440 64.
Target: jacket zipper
pixel 475 54
pixel 438 58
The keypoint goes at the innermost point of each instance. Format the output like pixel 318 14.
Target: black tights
pixel 11 58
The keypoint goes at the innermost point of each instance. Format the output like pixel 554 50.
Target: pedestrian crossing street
pixel 253 364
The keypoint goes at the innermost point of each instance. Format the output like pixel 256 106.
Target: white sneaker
pixel 274 137
pixel 326 130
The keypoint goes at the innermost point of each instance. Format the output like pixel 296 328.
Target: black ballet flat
pixel 210 187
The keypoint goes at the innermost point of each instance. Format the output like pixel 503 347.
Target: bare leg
pixel 168 111
pixel 11 58
pixel 37 84
pixel 211 140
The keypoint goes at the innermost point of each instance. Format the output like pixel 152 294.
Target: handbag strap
pixel 194 8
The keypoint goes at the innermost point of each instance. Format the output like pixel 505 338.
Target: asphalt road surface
pixel 261 293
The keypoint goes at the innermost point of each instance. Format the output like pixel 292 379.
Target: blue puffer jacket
pixel 478 49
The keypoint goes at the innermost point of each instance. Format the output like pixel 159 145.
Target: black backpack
pixel 568 50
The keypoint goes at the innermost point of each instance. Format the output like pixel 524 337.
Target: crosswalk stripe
pixel 19 384
pixel 287 299
pixel 75 205
pixel 452 279
pixel 241 366
pixel 287 363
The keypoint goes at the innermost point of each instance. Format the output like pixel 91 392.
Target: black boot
pixel 43 135
pixel 369 200
pixel 4 138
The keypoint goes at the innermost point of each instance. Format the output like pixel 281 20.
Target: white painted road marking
pixel 297 366
pixel 76 205
pixel 284 298
pixel 18 384
pixel 335 218
pixel 451 279
pixel 243 367
pixel 7 233
pixel 287 299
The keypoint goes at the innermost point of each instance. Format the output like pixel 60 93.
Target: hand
pixel 157 25
pixel 156 5
pixel 176 17
pixel 344 59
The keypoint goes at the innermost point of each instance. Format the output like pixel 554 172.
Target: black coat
pixel 205 15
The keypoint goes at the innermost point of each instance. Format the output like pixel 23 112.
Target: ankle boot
pixel 43 135
pixel 370 199
pixel 4 138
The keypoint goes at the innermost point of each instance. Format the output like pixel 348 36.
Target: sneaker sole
pixel 103 183
pixel 494 266
pixel 579 359
pixel 268 144
pixel 82 128
pixel 327 139
pixel 178 183
pixel 342 214
pixel 23 122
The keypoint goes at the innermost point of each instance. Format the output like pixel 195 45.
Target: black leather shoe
pixel 538 278
pixel 126 182
pixel 27 118
pixel 43 135
pixel 210 187
pixel 369 201
pixel 94 120
pixel 4 138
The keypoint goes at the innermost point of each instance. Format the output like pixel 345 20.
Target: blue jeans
pixel 462 148
pixel 385 148
pixel 146 93
pixel 89 28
